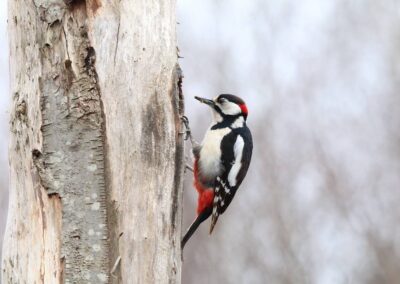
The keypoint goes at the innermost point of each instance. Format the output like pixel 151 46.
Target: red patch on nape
pixel 243 107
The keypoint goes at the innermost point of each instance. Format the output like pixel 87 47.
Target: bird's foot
pixel 188 132
pixel 189 168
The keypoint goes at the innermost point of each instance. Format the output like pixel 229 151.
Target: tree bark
pixel 96 154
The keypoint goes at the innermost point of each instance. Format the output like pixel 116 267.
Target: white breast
pixel 210 153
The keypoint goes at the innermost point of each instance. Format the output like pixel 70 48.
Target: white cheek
pixel 230 108
pixel 216 116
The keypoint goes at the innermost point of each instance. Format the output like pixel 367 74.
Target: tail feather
pixel 200 219
pixel 214 219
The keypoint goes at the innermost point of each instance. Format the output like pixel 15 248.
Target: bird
pixel 222 159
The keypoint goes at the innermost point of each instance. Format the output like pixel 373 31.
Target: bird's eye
pixel 221 100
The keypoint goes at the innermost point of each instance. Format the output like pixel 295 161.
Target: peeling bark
pixel 96 153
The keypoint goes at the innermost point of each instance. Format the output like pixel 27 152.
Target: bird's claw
pixel 188 133
pixel 189 168
pixel 185 121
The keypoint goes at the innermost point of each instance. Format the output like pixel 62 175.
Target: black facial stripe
pixel 218 110
pixel 226 121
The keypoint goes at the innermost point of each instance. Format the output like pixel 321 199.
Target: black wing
pixel 236 160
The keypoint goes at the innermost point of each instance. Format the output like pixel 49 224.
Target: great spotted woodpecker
pixel 221 160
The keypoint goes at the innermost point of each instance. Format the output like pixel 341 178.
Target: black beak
pixel 205 101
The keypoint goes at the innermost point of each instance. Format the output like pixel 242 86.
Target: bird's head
pixel 226 106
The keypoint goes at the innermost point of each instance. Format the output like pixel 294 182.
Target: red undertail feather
pixel 197 184
pixel 206 195
pixel 205 200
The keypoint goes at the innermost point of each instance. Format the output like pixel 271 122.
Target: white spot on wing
pixel 238 151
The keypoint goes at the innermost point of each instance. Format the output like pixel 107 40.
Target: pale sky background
pixel 321 202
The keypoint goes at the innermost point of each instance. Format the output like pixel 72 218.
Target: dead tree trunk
pixel 96 154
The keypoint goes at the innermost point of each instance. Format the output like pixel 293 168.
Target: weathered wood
pixel 96 153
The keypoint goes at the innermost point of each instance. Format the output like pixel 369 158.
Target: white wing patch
pixel 238 152
pixel 226 188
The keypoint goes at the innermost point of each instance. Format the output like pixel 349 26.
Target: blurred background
pixel 321 201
